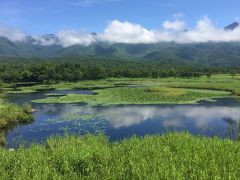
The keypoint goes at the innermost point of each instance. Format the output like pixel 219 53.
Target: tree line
pixel 91 68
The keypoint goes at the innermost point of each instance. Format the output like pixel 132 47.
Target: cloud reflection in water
pixel 174 117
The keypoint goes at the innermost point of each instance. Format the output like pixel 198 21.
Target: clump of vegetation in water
pixel 172 156
pixel 29 89
pixel 72 117
pixel 87 84
pixel 11 114
pixel 124 95
pixel 2 139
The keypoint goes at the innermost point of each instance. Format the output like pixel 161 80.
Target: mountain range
pixel 209 54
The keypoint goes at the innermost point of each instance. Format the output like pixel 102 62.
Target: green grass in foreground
pixel 172 156
pixel 143 95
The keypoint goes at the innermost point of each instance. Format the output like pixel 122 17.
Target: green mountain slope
pixel 208 54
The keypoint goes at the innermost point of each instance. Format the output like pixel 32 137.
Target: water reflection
pixel 117 122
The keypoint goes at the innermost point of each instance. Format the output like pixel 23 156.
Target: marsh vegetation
pixel 148 91
pixel 117 154
pixel 11 114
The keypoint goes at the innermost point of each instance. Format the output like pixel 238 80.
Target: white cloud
pixel 237 19
pixel 205 31
pixel 205 24
pixel 43 41
pixel 176 25
pixel 125 32
pixel 68 38
pixel 11 33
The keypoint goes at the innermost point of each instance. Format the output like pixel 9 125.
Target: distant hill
pixel 207 54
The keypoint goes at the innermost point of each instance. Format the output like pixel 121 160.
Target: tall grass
pixel 172 156
pixel 11 114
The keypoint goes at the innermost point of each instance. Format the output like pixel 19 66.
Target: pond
pixel 219 117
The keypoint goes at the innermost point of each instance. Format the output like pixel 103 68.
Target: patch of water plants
pixel 29 89
pixel 81 124
pixel 140 95
pixel 72 117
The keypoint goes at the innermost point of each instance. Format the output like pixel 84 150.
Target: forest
pixel 73 69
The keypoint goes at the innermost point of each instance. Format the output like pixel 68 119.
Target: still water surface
pixel 216 118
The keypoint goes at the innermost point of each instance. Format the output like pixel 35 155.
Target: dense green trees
pixel 82 68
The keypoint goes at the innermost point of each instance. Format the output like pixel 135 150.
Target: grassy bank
pixel 172 156
pixel 11 114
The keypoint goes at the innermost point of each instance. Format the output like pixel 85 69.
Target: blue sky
pixel 51 16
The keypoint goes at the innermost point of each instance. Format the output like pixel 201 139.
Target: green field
pixel 171 156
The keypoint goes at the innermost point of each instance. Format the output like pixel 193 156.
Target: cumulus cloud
pixel 173 31
pixel 68 38
pixel 205 31
pixel 11 33
pixel 176 25
pixel 127 32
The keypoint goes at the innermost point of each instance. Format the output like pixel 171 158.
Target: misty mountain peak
pixel 232 26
